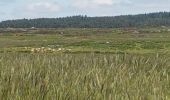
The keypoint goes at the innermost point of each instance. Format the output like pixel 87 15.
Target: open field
pixel 155 40
pixel 82 64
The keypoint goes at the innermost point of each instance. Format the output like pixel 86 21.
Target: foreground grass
pixel 84 76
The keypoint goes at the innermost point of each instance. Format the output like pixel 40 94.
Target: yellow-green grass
pixel 84 76
pixel 85 64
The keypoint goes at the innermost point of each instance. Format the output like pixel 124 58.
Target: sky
pixel 17 9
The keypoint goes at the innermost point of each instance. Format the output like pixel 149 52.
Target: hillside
pixel 140 20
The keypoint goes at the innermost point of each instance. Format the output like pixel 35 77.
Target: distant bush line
pixel 140 20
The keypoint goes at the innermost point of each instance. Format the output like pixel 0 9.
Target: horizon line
pixel 85 15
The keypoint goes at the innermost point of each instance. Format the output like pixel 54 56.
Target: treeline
pixel 141 20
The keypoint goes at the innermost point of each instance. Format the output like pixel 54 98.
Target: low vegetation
pixel 137 40
pixel 82 64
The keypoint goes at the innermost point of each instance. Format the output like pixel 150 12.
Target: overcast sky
pixel 16 9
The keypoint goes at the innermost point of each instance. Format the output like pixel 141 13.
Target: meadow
pixel 85 64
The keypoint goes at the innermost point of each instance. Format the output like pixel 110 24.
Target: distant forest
pixel 140 20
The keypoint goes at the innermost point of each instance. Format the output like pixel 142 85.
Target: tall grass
pixel 84 77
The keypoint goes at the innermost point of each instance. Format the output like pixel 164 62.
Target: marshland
pixel 82 64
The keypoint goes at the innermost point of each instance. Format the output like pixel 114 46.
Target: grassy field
pixel 85 64
pixel 87 40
